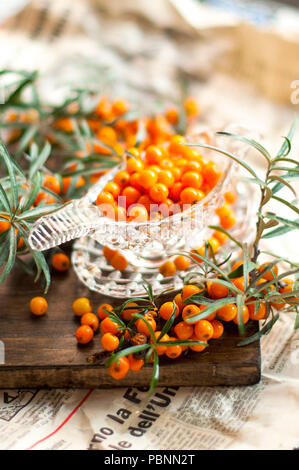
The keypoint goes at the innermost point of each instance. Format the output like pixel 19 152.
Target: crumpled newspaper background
pixel 146 50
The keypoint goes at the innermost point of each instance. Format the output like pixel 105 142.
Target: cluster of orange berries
pixel 158 182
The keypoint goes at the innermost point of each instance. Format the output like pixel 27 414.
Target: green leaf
pixel 240 305
pixel 4 200
pixel 284 149
pixel 169 322
pixel 296 326
pixel 283 182
pixel 155 376
pixel 289 223
pixel 35 187
pixel 10 169
pixel 11 255
pixel 279 231
pixel 289 204
pixel 39 161
pixel 239 272
pixel 126 352
pixel 26 138
pixel 210 309
pixel 152 334
pixel 250 142
pixel 224 152
pixel 260 333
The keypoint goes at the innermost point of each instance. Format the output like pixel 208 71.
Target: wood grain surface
pixel 43 352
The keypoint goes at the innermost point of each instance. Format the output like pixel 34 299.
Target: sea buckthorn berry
pixel 161 349
pixel 167 269
pixel 166 164
pixel 179 302
pixel 214 243
pixel 191 195
pixel 122 178
pixel 119 214
pixel 287 287
pixel 108 252
pixel 217 291
pixel 197 347
pixel 182 262
pixel 228 221
pixel 101 310
pixel 153 155
pixel 109 342
pixel 173 351
pixel 191 106
pixel 190 311
pixel 176 172
pixel 268 275
pixel 172 115
pixel 230 196
pixel 137 213
pixel 81 306
pixel 183 330
pixel 167 309
pixel 119 262
pixel 109 326
pixel 227 312
pixel 260 314
pixel 105 198
pixel 145 201
pixel 239 283
pixel 3 224
pixel 38 306
pixel 166 178
pixel 211 316
pixel 142 326
pixel 60 262
pixel 217 329
pixel 220 236
pixel 189 290
pixel 120 107
pixel 158 192
pixel 211 173
pixel 175 191
pixel 237 265
pixel 112 188
pixel 107 135
pixel 134 165
pixel 91 320
pixel 192 179
pixel 147 178
pixel 268 288
pixel 131 194
pixel 134 181
pixel 84 334
pixel 139 339
pixel 119 369
pixel 52 182
pixel 193 166
pixel 203 330
pixel 175 147
pixel 245 316
pixel 135 364
pixel 127 313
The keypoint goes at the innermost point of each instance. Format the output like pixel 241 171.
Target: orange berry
pixel 260 314
pixel 131 194
pixel 145 201
pixel 268 275
pixel 167 309
pixel 158 192
pixel 134 165
pixel 189 290
pixel 52 182
pixel 214 243
pixel 38 306
pixel 135 364
pixel 109 342
pixel 217 291
pixel 245 315
pixel 81 306
pixel 60 262
pixel 147 178
pixel 142 326
pixel 183 330
pixel 167 269
pixel 122 178
pixel 287 288
pixel 137 213
pixel 203 330
pixel 166 178
pixel 101 310
pixel 120 107
pixel 172 115
pixel 176 172
pixel 239 283
pixel 128 313
pixel 105 198
pixel 190 311
pixel 197 347
pixel 119 214
pixel 191 106
pixel 217 329
pixel 182 262
pixel 173 351
pixel 211 173
pixel 191 195
pixel 109 326
pixel 84 334
pixel 179 302
pixel 220 236
pixel 175 147
pixel 119 369
pixel 161 349
pixel 108 252
pixel 175 191
pixel 227 312
pixel 192 179
pixel 237 265
pixel 107 135
pixel 153 155
pixel 230 196
pixel 228 221
pixel 119 262
pixel 112 188
pixel 91 320
pixel 3 224
pixel 166 164
pixel 193 166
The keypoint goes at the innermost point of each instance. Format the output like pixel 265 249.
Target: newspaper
pixel 262 416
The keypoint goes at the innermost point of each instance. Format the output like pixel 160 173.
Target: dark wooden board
pixel 43 352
